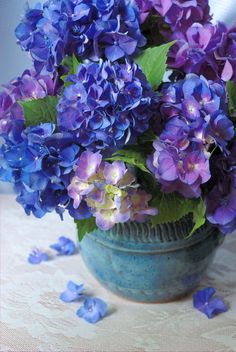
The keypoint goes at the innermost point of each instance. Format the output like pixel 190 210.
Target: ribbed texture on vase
pixel 146 233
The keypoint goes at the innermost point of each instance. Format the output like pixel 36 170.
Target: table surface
pixel 34 319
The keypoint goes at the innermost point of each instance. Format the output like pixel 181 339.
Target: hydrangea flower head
pixel 38 162
pixel 177 14
pixel 180 14
pixel 192 122
pixel 93 310
pixel 26 87
pixel 223 59
pixel 109 190
pixel 183 171
pixel 89 29
pixel 107 105
pixel 192 47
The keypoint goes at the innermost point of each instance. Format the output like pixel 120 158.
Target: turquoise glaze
pixel 149 264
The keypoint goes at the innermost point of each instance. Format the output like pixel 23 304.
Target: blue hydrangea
pixel 38 162
pixel 107 105
pixel 88 28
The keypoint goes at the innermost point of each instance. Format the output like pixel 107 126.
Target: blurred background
pixel 13 61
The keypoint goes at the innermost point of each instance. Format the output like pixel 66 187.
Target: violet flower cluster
pixel 29 86
pixel 178 14
pixel 109 190
pixel 107 105
pixel 221 199
pixel 88 29
pixel 201 47
pixel 192 125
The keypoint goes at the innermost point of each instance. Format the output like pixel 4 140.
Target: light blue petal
pixel 69 296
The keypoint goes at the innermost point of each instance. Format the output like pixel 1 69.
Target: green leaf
pixel 132 157
pixel 85 226
pixel 172 207
pixel 148 136
pixel 40 110
pixel 72 64
pixel 153 63
pixel 231 93
pixel 199 216
pixel 76 63
pixel 68 62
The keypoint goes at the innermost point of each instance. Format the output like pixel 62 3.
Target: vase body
pixel 150 264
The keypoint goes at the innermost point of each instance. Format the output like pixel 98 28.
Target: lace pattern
pixel 33 318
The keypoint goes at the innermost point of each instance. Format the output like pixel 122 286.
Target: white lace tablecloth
pixel 34 319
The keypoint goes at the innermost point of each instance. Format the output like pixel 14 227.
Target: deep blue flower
pixel 220 128
pixel 107 105
pixel 64 246
pixel 204 301
pixel 93 310
pixel 38 162
pixel 74 292
pixel 37 256
pixel 88 29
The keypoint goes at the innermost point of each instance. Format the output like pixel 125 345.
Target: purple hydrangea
pixel 39 162
pixel 221 192
pixel 221 208
pixel 183 171
pixel 144 6
pixel 181 14
pixel 93 310
pixel 109 190
pixel 88 29
pixel 223 59
pixel 107 105
pixel 193 48
pixel 178 14
pixel 29 86
pixel 192 125
pixel 204 301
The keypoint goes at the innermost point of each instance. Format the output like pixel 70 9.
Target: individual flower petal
pixel 203 301
pixel 74 292
pixel 65 246
pixel 114 172
pixel 93 310
pixel 88 165
pixel 37 256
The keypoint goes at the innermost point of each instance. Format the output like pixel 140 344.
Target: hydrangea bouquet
pixel 128 114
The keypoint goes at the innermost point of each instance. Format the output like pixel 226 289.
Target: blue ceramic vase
pixel 150 264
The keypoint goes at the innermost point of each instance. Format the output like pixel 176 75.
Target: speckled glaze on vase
pixel 150 264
